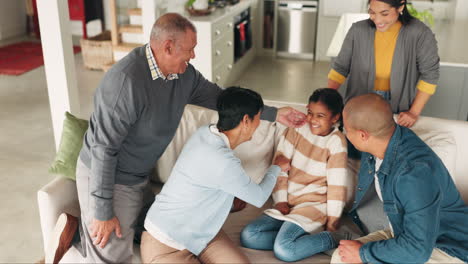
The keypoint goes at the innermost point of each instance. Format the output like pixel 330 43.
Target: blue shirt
pixel 196 200
pixel 420 199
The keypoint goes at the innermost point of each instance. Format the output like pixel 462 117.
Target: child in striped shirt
pixel 309 199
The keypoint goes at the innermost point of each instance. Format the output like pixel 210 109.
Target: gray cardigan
pixel 415 58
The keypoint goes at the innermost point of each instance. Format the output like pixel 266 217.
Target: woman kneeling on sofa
pixel 184 223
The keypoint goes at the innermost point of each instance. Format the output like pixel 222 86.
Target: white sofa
pixel 447 138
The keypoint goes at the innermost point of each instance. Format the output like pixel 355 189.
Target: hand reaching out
pixel 290 117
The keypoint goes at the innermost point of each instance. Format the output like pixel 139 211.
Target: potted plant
pixel 425 16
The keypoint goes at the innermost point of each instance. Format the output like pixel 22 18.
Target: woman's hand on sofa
pixel 290 117
pixel 101 230
pixel 407 119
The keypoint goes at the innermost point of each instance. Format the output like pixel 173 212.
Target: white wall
pixel 12 18
pixel 107 18
pixel 461 10
pixel 328 19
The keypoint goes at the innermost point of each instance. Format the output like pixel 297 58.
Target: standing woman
pixel 391 54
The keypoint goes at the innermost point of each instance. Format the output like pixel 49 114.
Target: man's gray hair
pixel 170 26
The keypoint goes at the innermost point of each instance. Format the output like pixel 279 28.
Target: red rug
pixel 18 58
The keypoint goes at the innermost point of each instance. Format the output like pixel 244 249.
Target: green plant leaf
pixel 190 3
pixel 425 16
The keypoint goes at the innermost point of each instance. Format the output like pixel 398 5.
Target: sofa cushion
pixel 256 155
pixel 443 144
pixel 192 118
pixel 440 140
pixel 70 146
pixel 457 166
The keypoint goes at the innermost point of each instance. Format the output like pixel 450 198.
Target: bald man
pixel 137 109
pixel 427 216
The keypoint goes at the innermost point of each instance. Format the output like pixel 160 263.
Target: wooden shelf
pixel 134 12
pixel 131 29
pixel 125 47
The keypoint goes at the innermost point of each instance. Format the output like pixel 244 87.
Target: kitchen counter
pixel 220 13
pixel 451 37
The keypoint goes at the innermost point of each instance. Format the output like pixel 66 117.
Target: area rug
pixel 18 58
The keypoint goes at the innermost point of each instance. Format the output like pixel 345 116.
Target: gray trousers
pixel 127 201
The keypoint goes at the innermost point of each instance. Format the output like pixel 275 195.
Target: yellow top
pixel 384 45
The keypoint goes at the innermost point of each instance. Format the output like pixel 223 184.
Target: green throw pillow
pixel 70 146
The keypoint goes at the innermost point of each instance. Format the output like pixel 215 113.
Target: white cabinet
pixel 222 57
pixel 214 53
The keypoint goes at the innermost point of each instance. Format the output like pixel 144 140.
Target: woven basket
pixel 97 51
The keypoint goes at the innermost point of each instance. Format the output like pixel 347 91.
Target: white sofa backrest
pixel 453 152
pixel 192 118
pixel 448 138
pixel 256 155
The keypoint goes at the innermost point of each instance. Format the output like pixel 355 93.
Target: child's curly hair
pixel 332 99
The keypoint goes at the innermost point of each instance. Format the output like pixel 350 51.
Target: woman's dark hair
pixel 404 18
pixel 331 99
pixel 235 102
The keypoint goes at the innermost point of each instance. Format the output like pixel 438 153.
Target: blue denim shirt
pixel 420 199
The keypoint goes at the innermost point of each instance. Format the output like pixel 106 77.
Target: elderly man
pixel 427 216
pixel 137 109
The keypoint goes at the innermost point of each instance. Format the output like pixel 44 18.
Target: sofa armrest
pixel 58 196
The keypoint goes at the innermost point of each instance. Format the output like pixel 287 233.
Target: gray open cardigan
pixel 415 58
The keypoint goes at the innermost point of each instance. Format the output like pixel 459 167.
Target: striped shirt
pixel 316 186
pixel 155 71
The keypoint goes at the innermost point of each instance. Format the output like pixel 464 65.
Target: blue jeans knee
pixel 261 233
pixel 293 243
pixel 246 236
pixel 284 253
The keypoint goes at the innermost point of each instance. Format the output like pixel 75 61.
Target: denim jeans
pixel 288 241
pixel 385 94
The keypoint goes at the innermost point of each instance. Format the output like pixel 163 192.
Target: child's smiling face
pixel 320 118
